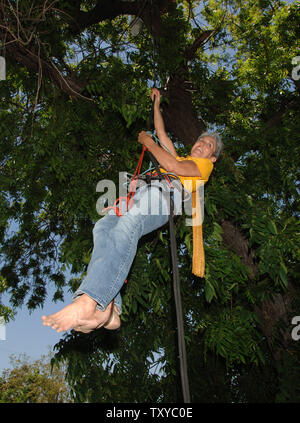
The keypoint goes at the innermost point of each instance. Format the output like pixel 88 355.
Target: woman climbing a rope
pixel 97 302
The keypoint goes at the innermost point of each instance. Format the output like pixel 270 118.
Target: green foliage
pixel 233 336
pixel 33 382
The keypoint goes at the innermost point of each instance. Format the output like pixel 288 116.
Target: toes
pixel 46 321
pixel 53 323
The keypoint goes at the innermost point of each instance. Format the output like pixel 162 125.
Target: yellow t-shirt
pixel 205 167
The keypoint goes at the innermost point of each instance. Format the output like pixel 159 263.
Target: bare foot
pixel 79 313
pixel 108 319
pixel 83 316
pixel 114 321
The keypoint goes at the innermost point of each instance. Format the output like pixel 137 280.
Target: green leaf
pixel 209 292
pixel 272 227
pixel 283 274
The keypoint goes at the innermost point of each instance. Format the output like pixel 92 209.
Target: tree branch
pixel 23 56
pixel 110 9
pixel 235 240
pixel 105 9
pixel 192 50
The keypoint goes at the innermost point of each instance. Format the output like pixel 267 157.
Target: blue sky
pixel 26 334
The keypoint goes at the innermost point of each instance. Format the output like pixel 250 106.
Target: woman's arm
pixel 159 123
pixel 167 160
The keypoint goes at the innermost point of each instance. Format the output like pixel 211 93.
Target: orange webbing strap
pixel 198 267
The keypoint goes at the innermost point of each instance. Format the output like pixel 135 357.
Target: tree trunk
pixel 179 115
pixel 274 310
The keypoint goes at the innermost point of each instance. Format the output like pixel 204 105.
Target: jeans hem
pixel 99 305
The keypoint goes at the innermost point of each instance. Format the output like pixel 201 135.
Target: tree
pixel 33 382
pixel 75 98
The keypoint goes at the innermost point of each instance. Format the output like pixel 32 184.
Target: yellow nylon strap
pixel 198 267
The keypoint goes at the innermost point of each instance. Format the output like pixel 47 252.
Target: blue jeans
pixel 116 239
